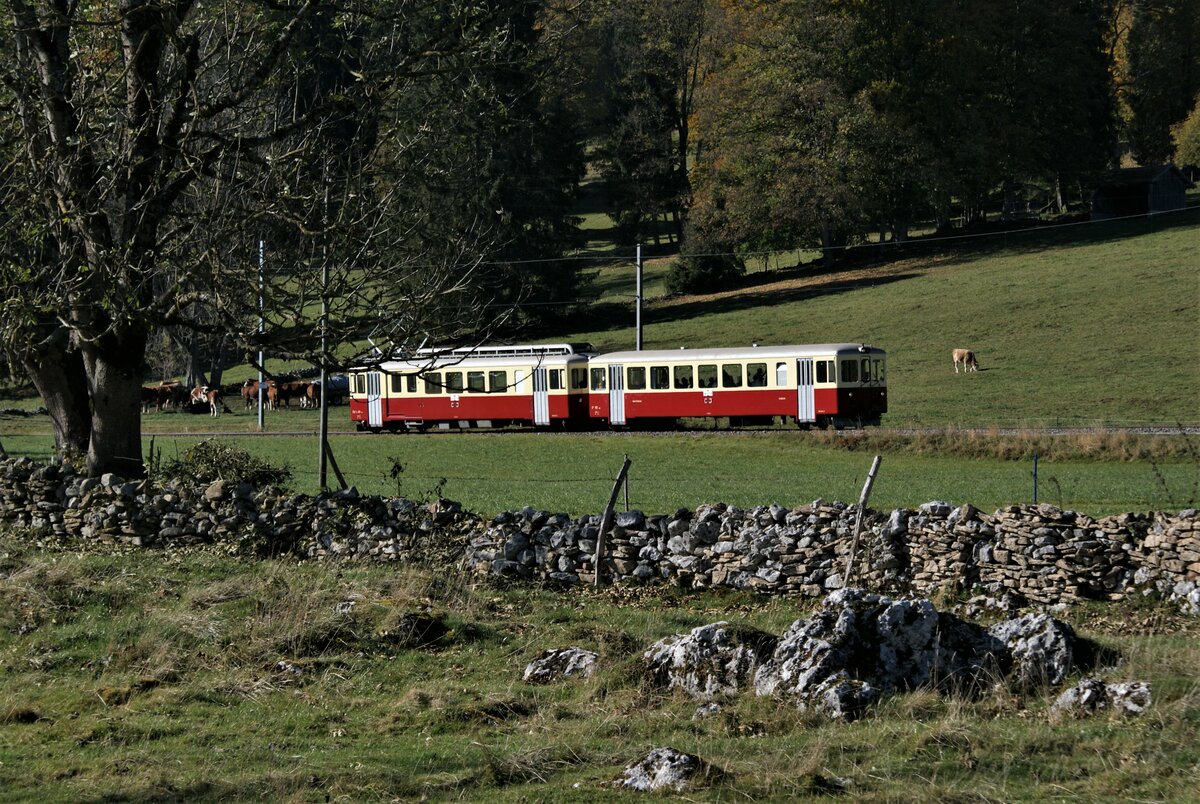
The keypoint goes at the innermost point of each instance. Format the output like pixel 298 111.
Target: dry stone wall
pixel 1040 554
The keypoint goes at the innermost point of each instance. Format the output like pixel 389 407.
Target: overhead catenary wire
pixel 626 261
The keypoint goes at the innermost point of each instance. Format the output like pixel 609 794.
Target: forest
pixel 306 176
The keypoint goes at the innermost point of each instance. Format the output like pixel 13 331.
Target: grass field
pixel 1079 327
pixel 574 473
pixel 198 677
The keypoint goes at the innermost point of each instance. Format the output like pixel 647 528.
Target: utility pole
pixel 262 290
pixel 323 429
pixel 638 299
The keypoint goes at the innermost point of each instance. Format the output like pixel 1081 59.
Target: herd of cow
pixel 173 395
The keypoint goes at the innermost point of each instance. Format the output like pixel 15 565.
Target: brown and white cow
pixel 208 396
pixel 967 358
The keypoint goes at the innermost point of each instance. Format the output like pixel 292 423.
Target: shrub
pixel 209 460
pixel 704 271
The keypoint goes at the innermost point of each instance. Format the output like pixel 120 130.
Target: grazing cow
pixel 250 393
pixel 312 395
pixel 209 396
pixel 967 358
pixel 160 397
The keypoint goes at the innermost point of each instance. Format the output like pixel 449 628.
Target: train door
pixel 541 396
pixel 806 408
pixel 616 394
pixel 374 399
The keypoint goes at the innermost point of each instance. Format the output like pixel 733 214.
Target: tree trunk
pixel 114 370
pixel 827 245
pixel 57 373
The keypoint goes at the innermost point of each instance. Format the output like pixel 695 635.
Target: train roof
pixel 738 352
pixel 508 354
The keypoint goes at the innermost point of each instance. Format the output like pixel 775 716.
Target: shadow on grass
pixel 606 316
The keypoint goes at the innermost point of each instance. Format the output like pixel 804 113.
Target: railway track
pixel 1160 430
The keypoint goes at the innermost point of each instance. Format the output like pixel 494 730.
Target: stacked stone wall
pixel 1040 553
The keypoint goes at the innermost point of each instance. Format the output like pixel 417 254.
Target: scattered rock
pixel 1042 649
pixel 1091 695
pixel 710 661
pixel 559 663
pixel 668 769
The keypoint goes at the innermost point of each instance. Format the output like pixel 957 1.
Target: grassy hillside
pixel 196 677
pixel 1096 325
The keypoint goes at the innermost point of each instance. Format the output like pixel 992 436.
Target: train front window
pixel 849 371
pixel 731 375
pixel 660 377
pixel 578 379
pixel 475 382
pixel 866 369
pixel 635 378
pixel 433 383
pixel 756 375
pixel 683 376
pixel 599 380
pixel 707 376
pixel 497 382
pixel 878 372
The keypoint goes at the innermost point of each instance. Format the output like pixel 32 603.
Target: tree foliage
pixel 827 119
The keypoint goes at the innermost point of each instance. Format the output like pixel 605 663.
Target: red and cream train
pixel 566 386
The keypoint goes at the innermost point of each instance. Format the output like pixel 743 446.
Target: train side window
pixel 497 382
pixel 849 371
pixel 360 385
pixel 781 375
pixel 599 379
pixel 475 382
pixel 578 379
pixel 660 377
pixel 635 378
pixel 411 381
pixel 558 379
pixel 683 376
pixel 433 383
pixel 822 371
pixel 756 375
pixel 707 376
pixel 731 375
pixel 397 383
pixel 454 382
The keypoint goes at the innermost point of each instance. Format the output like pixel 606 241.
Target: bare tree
pixel 147 145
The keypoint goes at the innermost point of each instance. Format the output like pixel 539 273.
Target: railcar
pixel 838 384
pixel 542 385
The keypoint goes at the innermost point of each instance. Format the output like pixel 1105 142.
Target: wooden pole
pixel 606 520
pixel 862 504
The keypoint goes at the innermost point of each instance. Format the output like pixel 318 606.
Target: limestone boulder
pixel 559 663
pixel 1091 696
pixel 710 661
pixel 1042 649
pixel 668 769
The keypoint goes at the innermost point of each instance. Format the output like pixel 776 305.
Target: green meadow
pixel 201 677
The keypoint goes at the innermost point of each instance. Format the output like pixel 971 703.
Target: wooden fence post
pixel 606 520
pixel 862 504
